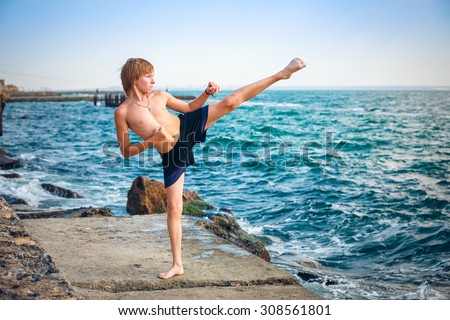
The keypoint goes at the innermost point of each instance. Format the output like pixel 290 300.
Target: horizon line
pixel 275 88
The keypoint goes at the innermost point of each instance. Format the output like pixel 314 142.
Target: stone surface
pixel 260 292
pixel 26 270
pixel 120 258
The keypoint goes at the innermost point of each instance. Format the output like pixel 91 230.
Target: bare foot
pixel 293 66
pixel 174 271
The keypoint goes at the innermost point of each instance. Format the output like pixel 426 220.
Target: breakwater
pixel 65 96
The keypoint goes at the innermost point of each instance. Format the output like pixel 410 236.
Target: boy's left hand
pixel 212 88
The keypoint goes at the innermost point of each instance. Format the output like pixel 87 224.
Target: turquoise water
pixel 350 189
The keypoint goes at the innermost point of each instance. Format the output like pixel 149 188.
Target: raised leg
pixel 174 209
pixel 220 108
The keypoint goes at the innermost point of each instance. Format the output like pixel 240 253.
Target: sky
pixel 63 45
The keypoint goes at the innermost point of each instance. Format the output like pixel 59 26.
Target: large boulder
pixel 146 196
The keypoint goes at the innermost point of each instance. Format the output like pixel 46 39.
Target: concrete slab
pixel 120 258
pixel 261 292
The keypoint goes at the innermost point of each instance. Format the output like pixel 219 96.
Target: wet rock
pixel 27 271
pixel 6 162
pixel 13 200
pixel 70 213
pixel 11 175
pixel 19 201
pixel 196 207
pixel 60 192
pixel 224 225
pixel 311 277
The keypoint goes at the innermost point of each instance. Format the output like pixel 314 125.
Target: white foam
pixel 257 230
pixel 27 156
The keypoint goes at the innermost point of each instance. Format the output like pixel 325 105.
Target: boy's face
pixel 145 83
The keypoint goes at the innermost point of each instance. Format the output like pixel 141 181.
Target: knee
pixel 231 102
pixel 174 209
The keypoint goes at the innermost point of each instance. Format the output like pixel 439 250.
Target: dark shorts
pixel 192 131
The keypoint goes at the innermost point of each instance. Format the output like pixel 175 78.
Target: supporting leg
pixel 174 209
pixel 220 108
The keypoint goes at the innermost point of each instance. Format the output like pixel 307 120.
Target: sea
pixel 349 189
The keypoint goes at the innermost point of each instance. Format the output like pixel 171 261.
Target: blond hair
pixel 132 70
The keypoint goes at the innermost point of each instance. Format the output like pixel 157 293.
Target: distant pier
pixel 99 98
pixel 110 99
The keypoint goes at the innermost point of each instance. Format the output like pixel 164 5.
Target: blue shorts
pixel 192 131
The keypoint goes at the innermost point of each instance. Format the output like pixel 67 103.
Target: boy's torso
pixel 144 122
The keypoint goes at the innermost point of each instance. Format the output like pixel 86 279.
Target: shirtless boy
pixel 145 113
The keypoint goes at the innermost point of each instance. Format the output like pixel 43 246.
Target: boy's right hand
pixel 161 135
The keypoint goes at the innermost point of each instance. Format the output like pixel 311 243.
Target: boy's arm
pixel 181 106
pixel 123 137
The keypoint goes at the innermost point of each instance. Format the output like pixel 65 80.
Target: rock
pixel 311 277
pixel 225 225
pixel 3 152
pixel 195 207
pixel 189 196
pixel 70 213
pixel 6 162
pixel 13 200
pixel 147 196
pixel 27 271
pixel 11 175
pixel 19 201
pixel 60 192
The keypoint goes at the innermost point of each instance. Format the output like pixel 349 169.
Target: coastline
pixel 118 258
pixel 88 253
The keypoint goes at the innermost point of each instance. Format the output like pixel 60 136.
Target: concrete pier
pixel 121 257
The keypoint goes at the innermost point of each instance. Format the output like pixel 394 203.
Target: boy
pixel 145 113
